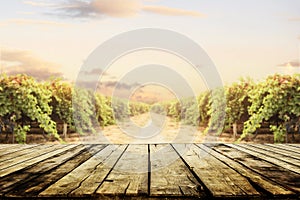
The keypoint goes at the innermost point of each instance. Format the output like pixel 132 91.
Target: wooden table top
pixel 202 171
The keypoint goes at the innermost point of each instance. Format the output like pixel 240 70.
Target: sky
pixel 254 38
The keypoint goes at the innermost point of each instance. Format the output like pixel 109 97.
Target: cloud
pixel 162 10
pixel 106 86
pixel 31 22
pixel 25 62
pixel 148 93
pixel 152 93
pixel 295 19
pixel 111 8
pixel 116 8
pixel 39 4
pixel 113 84
pixel 96 8
pixel 95 72
pixel 290 64
pixel 89 84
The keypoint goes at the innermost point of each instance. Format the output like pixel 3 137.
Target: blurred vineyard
pixel 55 108
pixel 244 108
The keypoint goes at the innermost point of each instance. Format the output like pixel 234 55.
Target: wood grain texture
pixel 283 150
pixel 65 163
pixel 266 166
pixel 268 186
pixel 130 175
pixel 162 171
pixel 13 167
pixel 22 155
pixel 294 145
pixel 282 161
pixel 219 179
pixel 169 174
pixel 25 177
pixel 90 184
pixel 73 180
pixel 9 150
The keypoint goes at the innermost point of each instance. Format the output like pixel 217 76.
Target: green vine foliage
pixel 204 105
pixel 104 110
pixel 121 109
pixel 159 108
pixel 22 99
pixel 174 110
pixel 276 100
pixel 84 117
pixel 61 101
pixel 137 108
pixel 190 112
pixel 238 101
pixel 217 111
pixel 184 110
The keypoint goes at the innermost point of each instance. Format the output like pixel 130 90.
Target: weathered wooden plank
pixel 10 157
pixel 170 176
pixel 85 180
pixel 72 180
pixel 266 185
pixel 261 165
pixel 20 177
pixel 90 172
pixel 15 167
pixel 219 179
pixel 294 145
pixel 10 149
pixel 286 147
pixel 70 160
pixel 130 175
pixel 283 161
pixel 33 153
pixel 3 145
pixel 7 146
pixel 276 150
pixel 277 153
pixel 99 175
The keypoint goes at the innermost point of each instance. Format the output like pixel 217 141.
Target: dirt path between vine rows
pixel 171 132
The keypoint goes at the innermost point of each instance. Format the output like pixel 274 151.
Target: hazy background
pixel 243 38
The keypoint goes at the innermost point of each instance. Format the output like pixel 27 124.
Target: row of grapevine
pixel 274 102
pixel 184 110
pixel 137 108
pixel 24 101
